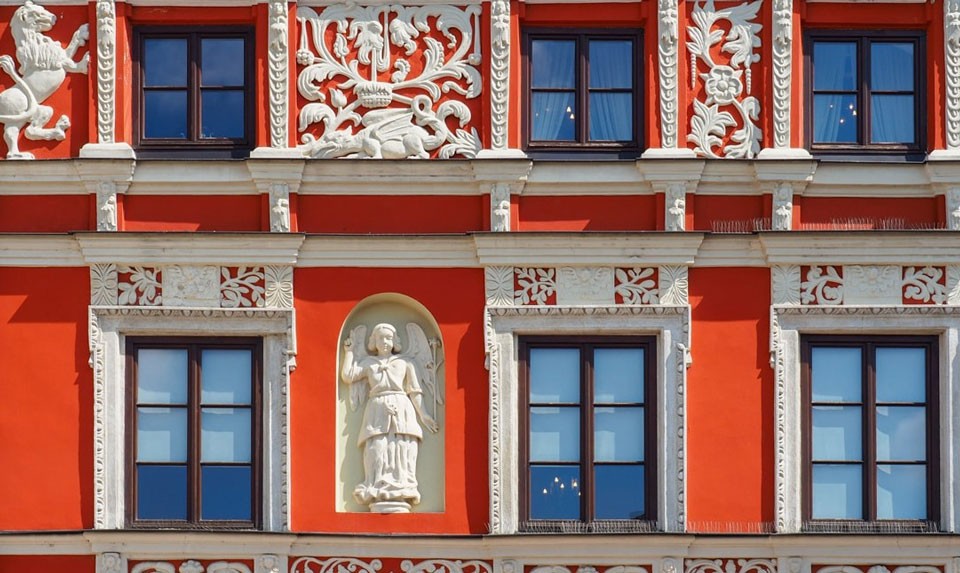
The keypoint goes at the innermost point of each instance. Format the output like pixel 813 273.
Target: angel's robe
pixel 389 410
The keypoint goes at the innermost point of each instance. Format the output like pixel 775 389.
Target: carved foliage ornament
pixel 278 64
pixel 106 69
pixel 730 566
pixel 951 23
pixel 726 86
pixel 782 71
pixel 44 64
pixel 586 286
pixel 499 71
pixel 668 65
pixel 865 285
pixel 389 81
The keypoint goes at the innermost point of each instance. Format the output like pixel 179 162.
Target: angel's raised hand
pixel 429 423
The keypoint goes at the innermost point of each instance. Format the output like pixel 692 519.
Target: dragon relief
pixel 364 116
pixel 44 64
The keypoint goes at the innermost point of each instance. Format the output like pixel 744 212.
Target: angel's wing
pixel 358 392
pixel 426 359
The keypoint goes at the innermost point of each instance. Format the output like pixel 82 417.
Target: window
pixel 583 90
pixel 194 89
pixel 194 418
pixel 870 431
pixel 590 436
pixel 867 91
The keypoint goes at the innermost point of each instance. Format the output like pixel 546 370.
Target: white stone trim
pixel 668 68
pixel 108 328
pixel 671 326
pixel 867 248
pixel 951 111
pixel 500 32
pixel 587 249
pixel 789 323
pixel 278 68
pixel 225 249
pixel 106 70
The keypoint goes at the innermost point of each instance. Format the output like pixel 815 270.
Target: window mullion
pixel 587 485
pixel 870 433
pixel 193 109
pixel 863 96
pixel 193 437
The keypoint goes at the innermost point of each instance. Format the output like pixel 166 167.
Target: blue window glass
pixel 869 429
pixel 194 423
pixel 865 91
pixel 587 430
pixel 582 90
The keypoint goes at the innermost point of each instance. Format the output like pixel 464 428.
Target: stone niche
pixel 421 347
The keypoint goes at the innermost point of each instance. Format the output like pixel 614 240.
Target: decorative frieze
pixel 571 286
pixel 668 65
pixel 106 71
pixel 726 86
pixel 587 569
pixel 782 72
pixel 730 566
pixel 951 30
pixel 354 565
pixel 346 48
pixel 865 285
pixel 499 72
pixel 875 569
pixel 190 566
pixel 278 64
pixel 192 286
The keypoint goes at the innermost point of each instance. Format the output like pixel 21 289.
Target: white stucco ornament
pixel 419 108
pixel 44 64
pixel 392 381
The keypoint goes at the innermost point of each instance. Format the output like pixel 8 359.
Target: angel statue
pixel 391 432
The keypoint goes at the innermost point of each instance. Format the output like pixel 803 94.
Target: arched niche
pixel 398 310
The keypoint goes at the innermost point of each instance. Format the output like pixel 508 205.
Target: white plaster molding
pixel 499 72
pixel 951 32
pixel 391 34
pixel 107 329
pixel 675 207
pixel 725 85
pixel 868 248
pixel 782 215
pixel 668 66
pixel 586 249
pixel 107 206
pixel 730 250
pixel 500 207
pixel 271 564
pixel 673 285
pixel 953 205
pixel 790 322
pixel 106 70
pixel 40 251
pixel 671 325
pixel 43 67
pixel 225 249
pixel 111 563
pixel 278 66
pixel 389 252
pixel 280 207
pixel 782 71
pixel 785 284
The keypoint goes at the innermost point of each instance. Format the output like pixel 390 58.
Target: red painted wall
pixel 46 424
pixel 46 213
pixel 389 214
pixel 190 213
pixel 730 401
pixel 324 298
pixel 72 563
pixel 822 213
pixel 588 213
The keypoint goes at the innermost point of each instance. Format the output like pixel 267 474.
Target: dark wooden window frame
pixel 586 344
pixel 863 39
pixel 194 345
pixel 581 77
pixel 194 144
pixel 869 344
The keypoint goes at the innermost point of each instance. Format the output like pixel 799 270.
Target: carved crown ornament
pixel 390 81
pixel 865 285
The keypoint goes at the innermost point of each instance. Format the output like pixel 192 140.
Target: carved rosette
pixel 725 102
pixel 106 70
pixel 278 62
pixel 389 81
pixel 499 72
pixel 192 286
pixel 782 71
pixel 951 30
pixel 668 64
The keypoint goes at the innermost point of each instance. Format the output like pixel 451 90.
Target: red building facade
pixel 495 287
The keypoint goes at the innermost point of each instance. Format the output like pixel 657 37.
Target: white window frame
pixel 790 322
pixel 671 326
pixel 108 328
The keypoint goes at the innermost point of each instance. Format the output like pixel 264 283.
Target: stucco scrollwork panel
pixel 725 119
pixel 389 81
